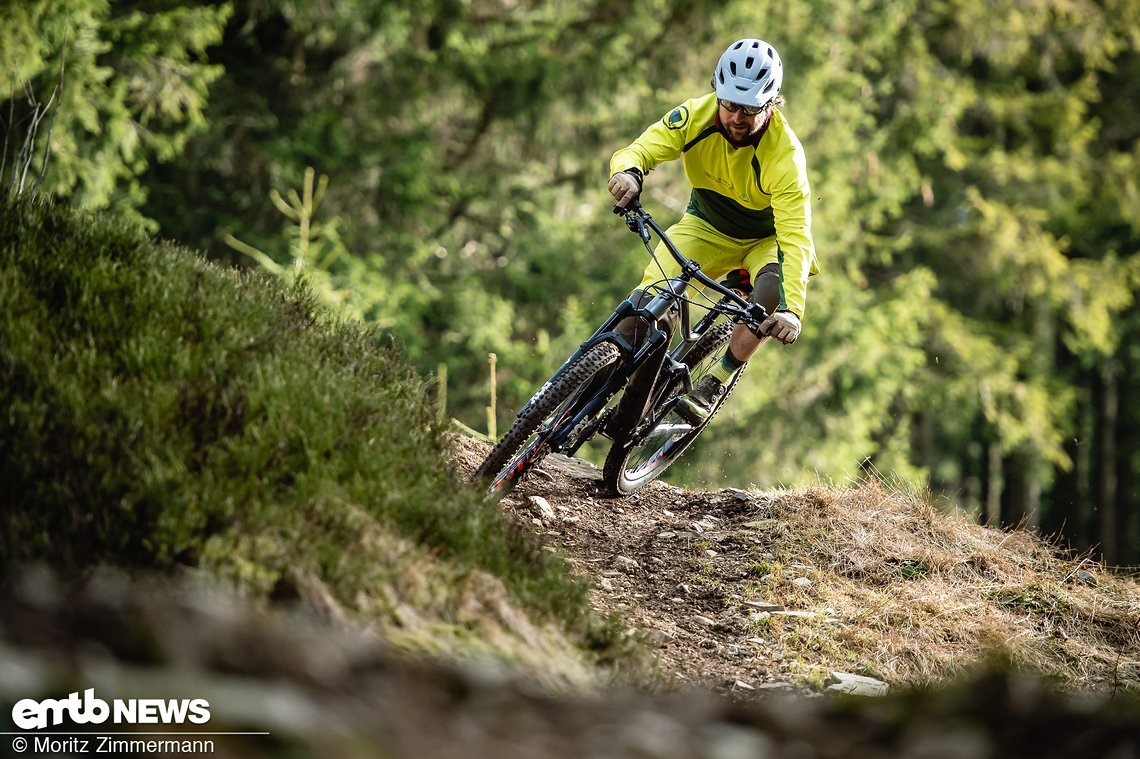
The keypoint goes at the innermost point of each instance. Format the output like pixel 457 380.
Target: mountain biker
pixel 750 205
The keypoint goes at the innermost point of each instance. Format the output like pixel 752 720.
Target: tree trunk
pixel 1021 493
pixel 993 485
pixel 1104 462
pixel 1128 448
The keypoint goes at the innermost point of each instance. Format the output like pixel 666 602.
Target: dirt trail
pixel 673 562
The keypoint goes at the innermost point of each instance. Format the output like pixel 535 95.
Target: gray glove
pixel 624 187
pixel 782 325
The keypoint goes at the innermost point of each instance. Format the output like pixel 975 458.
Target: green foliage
pixel 163 411
pixel 111 89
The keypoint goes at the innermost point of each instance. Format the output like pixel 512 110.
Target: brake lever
pixel 634 220
pixel 757 314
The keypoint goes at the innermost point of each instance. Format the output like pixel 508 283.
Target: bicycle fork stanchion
pixel 590 413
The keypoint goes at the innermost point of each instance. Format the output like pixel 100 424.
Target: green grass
pixel 161 411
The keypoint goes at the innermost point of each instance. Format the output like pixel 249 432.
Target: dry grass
pixel 913 595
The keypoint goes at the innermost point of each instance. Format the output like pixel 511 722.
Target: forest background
pixel 975 171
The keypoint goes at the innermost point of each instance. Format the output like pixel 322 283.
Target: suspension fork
pixel 643 368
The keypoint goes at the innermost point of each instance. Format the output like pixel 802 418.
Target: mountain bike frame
pixel 584 418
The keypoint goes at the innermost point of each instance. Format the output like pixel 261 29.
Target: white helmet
pixel 749 72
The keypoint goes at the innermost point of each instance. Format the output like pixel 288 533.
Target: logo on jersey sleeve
pixel 677 118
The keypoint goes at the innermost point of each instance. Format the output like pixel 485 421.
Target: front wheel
pixel 662 436
pixel 553 407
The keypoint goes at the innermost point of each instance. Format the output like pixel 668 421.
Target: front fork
pixel 631 355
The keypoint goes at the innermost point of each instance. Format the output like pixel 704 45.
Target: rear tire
pixel 662 436
pixel 540 418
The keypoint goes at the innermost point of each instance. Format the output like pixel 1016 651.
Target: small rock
pixel 667 535
pixel 761 606
pixel 802 582
pixel 738 494
pixel 626 563
pixel 605 584
pixel 857 685
pixel 742 685
pixel 711 554
pixel 1085 577
pixel 704 621
pixel 541 506
pixel 658 638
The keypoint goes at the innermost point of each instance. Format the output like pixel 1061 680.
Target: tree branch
pixel 51 126
pixel 24 158
pixel 7 132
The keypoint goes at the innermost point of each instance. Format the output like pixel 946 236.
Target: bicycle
pixel 580 400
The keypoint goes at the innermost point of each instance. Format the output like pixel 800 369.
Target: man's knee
pixel 766 288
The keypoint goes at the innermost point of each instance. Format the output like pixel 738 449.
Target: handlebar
pixel 642 224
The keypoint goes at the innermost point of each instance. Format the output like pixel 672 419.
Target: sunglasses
pixel 747 110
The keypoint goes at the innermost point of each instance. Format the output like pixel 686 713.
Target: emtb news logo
pixel 29 714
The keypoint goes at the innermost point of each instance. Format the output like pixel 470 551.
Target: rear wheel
pixel 546 415
pixel 662 436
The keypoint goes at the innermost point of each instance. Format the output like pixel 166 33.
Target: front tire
pixel 541 418
pixel 662 436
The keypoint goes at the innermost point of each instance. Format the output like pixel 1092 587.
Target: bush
pixel 160 411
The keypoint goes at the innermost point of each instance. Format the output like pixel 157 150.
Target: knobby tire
pixel 530 433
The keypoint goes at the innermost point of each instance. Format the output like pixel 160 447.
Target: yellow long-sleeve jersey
pixel 753 191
